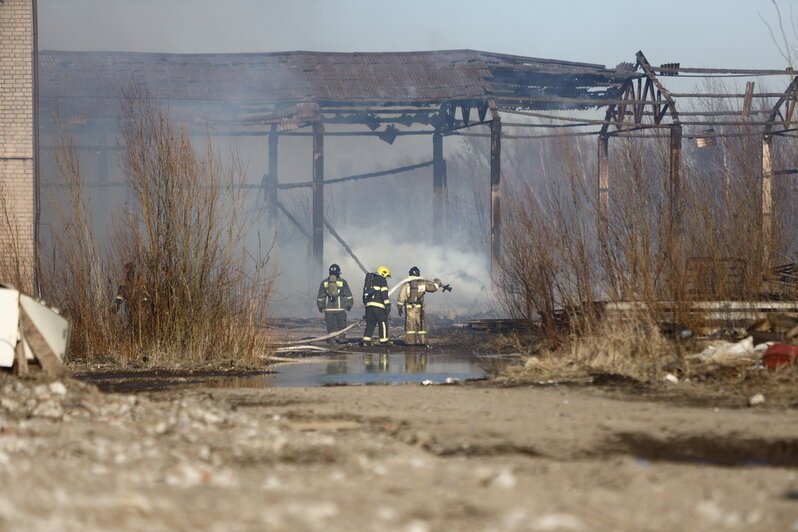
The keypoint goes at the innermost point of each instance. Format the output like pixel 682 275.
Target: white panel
pixel 9 325
pixel 53 326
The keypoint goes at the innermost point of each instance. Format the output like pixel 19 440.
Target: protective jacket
pixel 411 299
pixel 334 295
pixel 411 295
pixel 375 297
pixel 375 292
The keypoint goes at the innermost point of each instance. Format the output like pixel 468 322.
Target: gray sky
pixel 698 33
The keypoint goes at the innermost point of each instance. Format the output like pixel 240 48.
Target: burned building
pixel 383 95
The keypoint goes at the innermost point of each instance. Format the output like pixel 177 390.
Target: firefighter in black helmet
pixel 411 301
pixel 378 306
pixel 334 300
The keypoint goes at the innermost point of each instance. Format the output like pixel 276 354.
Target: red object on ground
pixel 778 355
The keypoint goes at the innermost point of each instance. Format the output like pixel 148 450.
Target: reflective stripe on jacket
pixel 376 294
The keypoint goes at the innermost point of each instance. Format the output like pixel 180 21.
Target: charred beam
pixel 341 241
pixel 767 197
pixel 495 191
pixel 723 95
pixel 438 187
pixel 349 178
pixel 675 184
pixel 293 220
pixel 318 197
pixel 749 97
pixel 670 104
pixel 603 187
pixel 786 99
pixel 270 194
pixel 738 71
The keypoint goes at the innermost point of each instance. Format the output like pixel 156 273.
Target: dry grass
pixel 633 349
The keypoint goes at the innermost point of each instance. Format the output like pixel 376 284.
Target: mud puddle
pixel 325 370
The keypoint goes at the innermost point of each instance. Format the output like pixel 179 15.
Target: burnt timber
pixel 436 93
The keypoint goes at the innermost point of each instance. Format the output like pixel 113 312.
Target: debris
pixel 452 380
pixel 757 399
pixel 727 353
pixel 670 377
pixel 778 355
pixel 775 326
pixel 500 325
pixel 426 382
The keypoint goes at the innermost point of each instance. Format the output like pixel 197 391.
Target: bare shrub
pixel 189 289
pixel 199 294
pixel 76 269
pixel 710 245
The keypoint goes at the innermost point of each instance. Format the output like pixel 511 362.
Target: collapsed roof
pixel 89 84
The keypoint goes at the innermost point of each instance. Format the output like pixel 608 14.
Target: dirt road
pixel 408 458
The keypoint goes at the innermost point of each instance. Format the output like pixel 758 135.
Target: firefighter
pixel 378 306
pixel 411 301
pixel 131 300
pixel 334 300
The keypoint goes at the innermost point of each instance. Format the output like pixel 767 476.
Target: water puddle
pixel 324 370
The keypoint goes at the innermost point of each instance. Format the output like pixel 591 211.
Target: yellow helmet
pixel 385 272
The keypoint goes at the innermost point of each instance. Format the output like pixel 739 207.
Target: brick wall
pixel 16 143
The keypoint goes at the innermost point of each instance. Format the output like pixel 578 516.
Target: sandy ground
pixel 409 458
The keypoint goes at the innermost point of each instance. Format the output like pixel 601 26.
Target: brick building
pixel 17 141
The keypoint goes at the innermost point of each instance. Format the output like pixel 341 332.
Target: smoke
pixel 467 272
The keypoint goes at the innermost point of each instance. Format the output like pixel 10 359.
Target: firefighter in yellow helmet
pixel 378 306
pixel 411 300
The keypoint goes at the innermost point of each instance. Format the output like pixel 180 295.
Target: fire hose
pixel 327 336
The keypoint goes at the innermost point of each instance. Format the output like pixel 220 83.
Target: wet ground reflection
pixel 325 370
pixel 378 368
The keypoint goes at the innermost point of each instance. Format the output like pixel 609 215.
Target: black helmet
pixel 415 271
pixel 335 269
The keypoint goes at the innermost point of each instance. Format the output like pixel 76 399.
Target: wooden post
pixel 495 190
pixel 438 186
pixel 603 187
pixel 767 197
pixel 318 198
pixel 20 360
pixel 41 349
pixel 675 224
